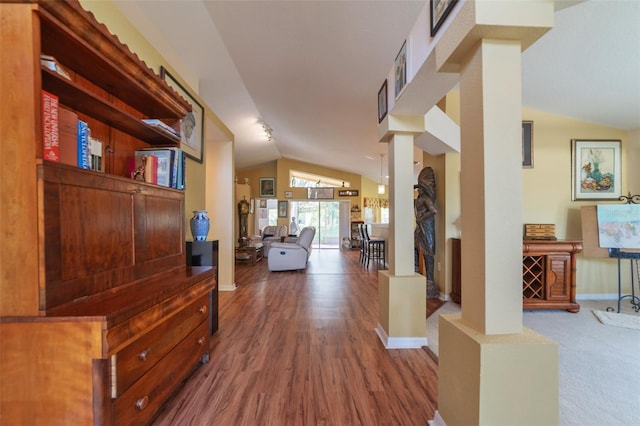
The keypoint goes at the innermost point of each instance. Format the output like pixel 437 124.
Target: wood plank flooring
pixel 300 348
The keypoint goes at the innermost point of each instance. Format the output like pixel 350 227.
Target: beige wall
pixel 547 187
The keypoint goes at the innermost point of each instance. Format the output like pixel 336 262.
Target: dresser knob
pixel 144 354
pixel 203 309
pixel 142 403
pixel 201 341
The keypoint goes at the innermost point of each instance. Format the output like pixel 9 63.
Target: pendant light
pixel 381 185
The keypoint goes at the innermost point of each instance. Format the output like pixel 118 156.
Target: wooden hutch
pixel 100 317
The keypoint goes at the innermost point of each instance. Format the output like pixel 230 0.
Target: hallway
pixel 298 348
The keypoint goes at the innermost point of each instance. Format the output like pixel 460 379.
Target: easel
pixel 592 249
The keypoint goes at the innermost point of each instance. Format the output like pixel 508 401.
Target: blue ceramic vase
pixel 199 225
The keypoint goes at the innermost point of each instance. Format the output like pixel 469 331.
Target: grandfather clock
pixel 243 214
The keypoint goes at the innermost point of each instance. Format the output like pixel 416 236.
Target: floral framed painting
pixel 596 172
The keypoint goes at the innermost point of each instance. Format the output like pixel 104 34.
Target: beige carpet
pixel 598 364
pixel 618 319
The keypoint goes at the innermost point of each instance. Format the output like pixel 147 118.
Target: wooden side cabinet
pixel 549 274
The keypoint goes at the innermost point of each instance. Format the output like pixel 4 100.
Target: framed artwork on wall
pixel 348 192
pixel 267 187
pixel 440 9
pixel 527 144
pixel 320 193
pixel 282 208
pixel 401 69
pixel 192 125
pixel 596 172
pixel 382 102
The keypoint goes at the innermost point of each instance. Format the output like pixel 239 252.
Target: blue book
pixel 84 156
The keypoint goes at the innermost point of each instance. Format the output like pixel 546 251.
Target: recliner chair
pixel 292 256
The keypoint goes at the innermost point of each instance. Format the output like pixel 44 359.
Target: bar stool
pixel 363 245
pixel 376 248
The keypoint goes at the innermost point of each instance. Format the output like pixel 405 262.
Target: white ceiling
pixel 312 69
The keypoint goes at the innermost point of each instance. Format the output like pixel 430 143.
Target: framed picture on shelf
pixel 401 69
pixel 382 102
pixel 440 9
pixel 282 208
pixel 527 144
pixel 267 187
pixel 596 172
pixel 192 124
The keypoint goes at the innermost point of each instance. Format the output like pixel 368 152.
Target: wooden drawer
pixel 141 401
pixel 137 358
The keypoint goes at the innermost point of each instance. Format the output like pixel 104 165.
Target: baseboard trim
pixel 437 420
pixel 400 342
pixel 228 287
pixel 597 296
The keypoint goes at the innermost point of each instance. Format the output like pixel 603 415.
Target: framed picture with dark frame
pixel 348 192
pixel 401 69
pixel 382 101
pixel 527 144
pixel 267 187
pixel 596 172
pixel 440 9
pixel 282 208
pixel 192 125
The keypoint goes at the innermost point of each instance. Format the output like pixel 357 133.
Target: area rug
pixel 618 320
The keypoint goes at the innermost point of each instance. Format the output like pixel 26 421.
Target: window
pixel 300 179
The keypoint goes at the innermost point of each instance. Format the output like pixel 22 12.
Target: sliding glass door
pixel 324 215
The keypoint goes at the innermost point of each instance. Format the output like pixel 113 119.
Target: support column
pixel 491 369
pixel 402 292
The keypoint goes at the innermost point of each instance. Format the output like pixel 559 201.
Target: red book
pixel 50 133
pixel 68 135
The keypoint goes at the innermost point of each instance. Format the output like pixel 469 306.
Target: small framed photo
pixel 192 124
pixel 348 192
pixel 382 102
pixel 267 187
pixel 288 194
pixel 401 69
pixel 282 208
pixel 440 9
pixel 596 173
pixel 527 144
pixel 263 204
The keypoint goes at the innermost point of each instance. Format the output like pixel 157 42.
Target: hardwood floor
pixel 300 348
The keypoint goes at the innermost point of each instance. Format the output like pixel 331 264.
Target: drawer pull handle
pixel 142 403
pixel 203 309
pixel 144 354
pixel 201 341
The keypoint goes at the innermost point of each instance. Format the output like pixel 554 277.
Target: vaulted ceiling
pixel 312 69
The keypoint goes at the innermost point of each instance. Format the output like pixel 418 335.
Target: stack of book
pixel 164 166
pixel 66 138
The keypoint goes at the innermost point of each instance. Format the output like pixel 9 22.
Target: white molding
pixel 230 287
pixel 597 296
pixel 400 342
pixel 437 420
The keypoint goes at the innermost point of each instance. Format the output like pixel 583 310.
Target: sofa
pixel 289 256
pixel 268 235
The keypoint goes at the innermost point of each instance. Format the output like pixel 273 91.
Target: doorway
pixel 324 215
